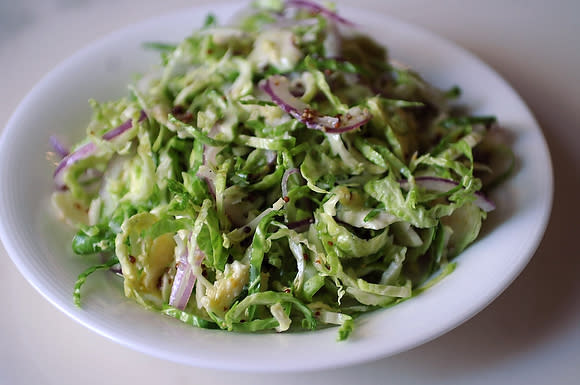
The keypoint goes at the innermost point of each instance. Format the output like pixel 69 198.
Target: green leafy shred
pixel 84 275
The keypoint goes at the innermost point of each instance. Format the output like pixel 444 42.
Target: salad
pixel 278 173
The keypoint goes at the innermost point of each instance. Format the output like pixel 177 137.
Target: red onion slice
pixel 444 185
pixel 353 119
pixel 81 153
pixel 278 88
pixel 182 284
pixel 123 127
pixel 313 7
pixel 89 149
pixel 58 147
pixel 184 280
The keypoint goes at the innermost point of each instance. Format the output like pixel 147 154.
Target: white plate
pixel 40 246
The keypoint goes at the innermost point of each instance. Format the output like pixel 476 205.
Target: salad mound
pixel 278 173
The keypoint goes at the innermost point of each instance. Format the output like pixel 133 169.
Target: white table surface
pixel 529 335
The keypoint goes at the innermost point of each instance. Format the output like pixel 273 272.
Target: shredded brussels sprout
pixel 278 173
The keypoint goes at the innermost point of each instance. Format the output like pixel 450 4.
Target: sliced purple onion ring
pixel 123 127
pixel 58 147
pixel 278 88
pixel 82 152
pixel 313 7
pixel 89 149
pixel 443 185
pixel 184 280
